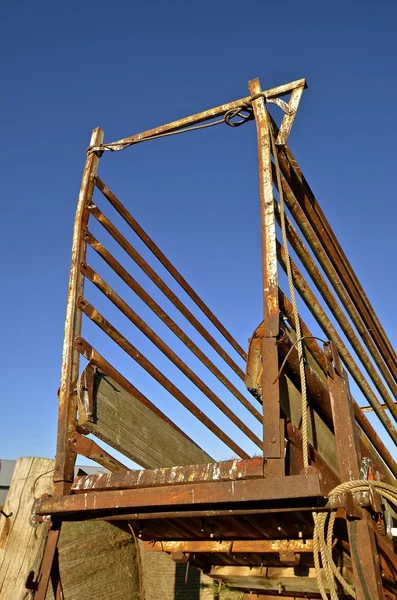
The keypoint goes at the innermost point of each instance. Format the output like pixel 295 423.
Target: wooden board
pixel 21 545
pixel 319 435
pixel 121 420
pixel 287 580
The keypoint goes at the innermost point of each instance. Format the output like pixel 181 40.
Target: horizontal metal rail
pixel 147 240
pixel 134 353
pixel 156 308
pixel 167 351
pixel 317 311
pixel 140 261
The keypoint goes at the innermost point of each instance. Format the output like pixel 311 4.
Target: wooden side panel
pixel 319 435
pixel 21 545
pixel 121 420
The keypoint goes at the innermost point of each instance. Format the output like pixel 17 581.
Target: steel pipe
pixel 156 308
pixel 166 350
pixel 147 240
pixel 140 261
pixel 134 353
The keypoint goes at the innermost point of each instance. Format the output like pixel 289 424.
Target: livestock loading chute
pixel 310 512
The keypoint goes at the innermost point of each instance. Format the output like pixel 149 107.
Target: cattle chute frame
pixel 237 519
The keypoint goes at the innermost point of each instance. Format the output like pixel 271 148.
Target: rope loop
pixel 244 112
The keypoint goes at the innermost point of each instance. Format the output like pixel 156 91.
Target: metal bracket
pixel 290 109
pixel 85 390
pixel 80 444
pixel 290 559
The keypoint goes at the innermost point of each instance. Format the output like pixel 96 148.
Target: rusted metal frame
pixel 367 576
pixel 156 308
pixel 46 565
pixel 288 119
pixel 83 445
pixel 134 353
pixel 205 115
pixel 317 311
pixel 273 444
pixel 274 489
pixel 231 546
pixel 315 216
pixel 147 269
pixel 84 348
pixel 229 470
pixel 167 351
pixel 322 257
pixel 65 457
pixel 321 400
pixel 147 240
pixel 338 313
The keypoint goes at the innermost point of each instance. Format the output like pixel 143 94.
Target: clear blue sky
pixel 127 66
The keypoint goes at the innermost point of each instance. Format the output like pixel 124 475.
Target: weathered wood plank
pixel 287 580
pixel 121 420
pixel 21 545
pixel 319 435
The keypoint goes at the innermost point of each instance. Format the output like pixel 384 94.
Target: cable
pixel 227 118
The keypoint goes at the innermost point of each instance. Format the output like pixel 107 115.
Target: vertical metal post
pixel 273 446
pixel 65 457
pixel 366 572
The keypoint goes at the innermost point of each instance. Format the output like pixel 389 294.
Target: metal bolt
pixel 273 440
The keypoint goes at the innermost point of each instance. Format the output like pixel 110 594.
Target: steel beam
pixel 231 546
pixel 273 442
pixel 65 457
pixel 230 470
pixel 200 494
